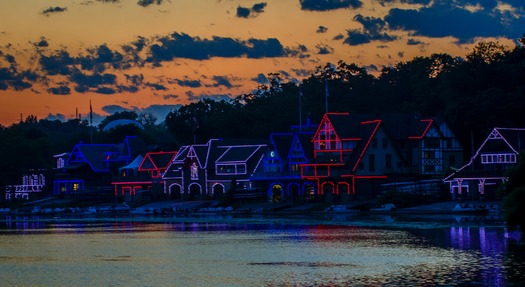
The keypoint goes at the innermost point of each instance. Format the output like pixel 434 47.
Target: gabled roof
pixel 401 126
pixel 282 143
pixel 305 140
pixel 132 147
pixel 157 160
pixel 134 164
pixel 500 140
pixel 96 155
pixel 368 130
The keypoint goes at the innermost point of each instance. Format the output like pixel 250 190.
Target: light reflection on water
pixel 135 253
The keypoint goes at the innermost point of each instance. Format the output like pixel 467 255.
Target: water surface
pixel 205 252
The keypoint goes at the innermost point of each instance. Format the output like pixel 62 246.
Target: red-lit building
pixel 362 155
pixel 142 174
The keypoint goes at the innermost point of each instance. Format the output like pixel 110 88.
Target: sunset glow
pixel 56 55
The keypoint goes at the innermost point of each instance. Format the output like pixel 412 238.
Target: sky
pixel 58 57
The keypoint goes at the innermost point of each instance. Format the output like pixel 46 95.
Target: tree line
pixel 474 94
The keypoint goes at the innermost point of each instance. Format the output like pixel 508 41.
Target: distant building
pixel 32 187
pixel 142 174
pixel 487 169
pixel 350 156
pixel 92 166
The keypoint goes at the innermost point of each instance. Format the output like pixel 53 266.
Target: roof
pixel 157 160
pixel 234 154
pixel 134 164
pixel 500 140
pixel 282 143
pixel 96 155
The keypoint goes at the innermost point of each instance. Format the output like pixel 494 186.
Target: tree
pixel 514 202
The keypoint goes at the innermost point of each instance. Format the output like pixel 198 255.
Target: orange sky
pixel 312 33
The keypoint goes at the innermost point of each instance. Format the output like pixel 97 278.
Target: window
pixel 194 174
pixel 371 163
pixel 374 143
pixel 385 143
pixel 498 158
pixel 225 169
pixel 388 160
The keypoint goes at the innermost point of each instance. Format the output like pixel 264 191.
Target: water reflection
pixel 274 252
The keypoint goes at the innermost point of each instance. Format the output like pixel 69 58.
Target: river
pixel 259 251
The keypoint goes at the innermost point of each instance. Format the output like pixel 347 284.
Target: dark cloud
pixel 222 81
pixel 92 81
pixel 189 83
pixel 134 79
pixel 421 2
pixel 325 5
pixel 57 64
pixel 324 49
pixel 129 89
pixel 10 78
pixel 179 45
pixel 322 29
pixel 243 12
pixel 105 90
pixel 60 90
pixel 254 11
pixel 170 97
pixel 412 41
pixel 443 19
pixel 261 79
pixel 54 10
pixel 112 109
pixel 100 55
pixel 156 86
pixel 339 37
pixel 145 3
pixel 374 29
pixel 42 43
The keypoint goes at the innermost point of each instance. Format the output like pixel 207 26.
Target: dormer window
pixel 194 172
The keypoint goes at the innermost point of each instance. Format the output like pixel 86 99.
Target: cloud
pixel 60 90
pixel 54 117
pixel 216 97
pixel 42 43
pixel 261 79
pixel 11 78
pixel 100 55
pixel 325 5
pixel 145 3
pixel 53 10
pixel 180 45
pixel 92 81
pixel 254 11
pixel 322 29
pixel 105 90
pixel 413 41
pixel 374 29
pixel 421 2
pixel 443 19
pixel 222 81
pixel 57 64
pixel 189 83
pixel 156 86
pixel 324 49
